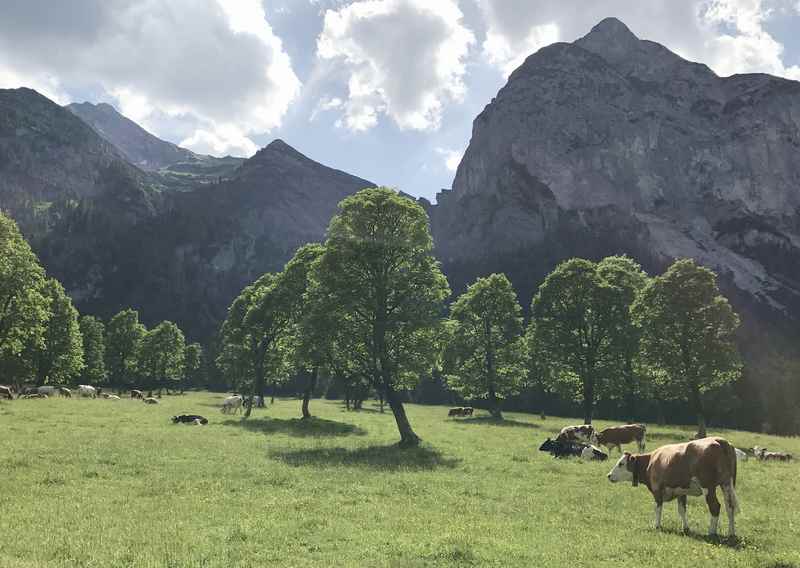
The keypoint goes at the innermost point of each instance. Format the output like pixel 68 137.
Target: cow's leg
pixel 682 512
pixel 659 506
pixel 730 507
pixel 713 508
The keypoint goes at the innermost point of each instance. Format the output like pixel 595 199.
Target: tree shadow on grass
pixel 310 427
pixel 488 420
pixel 387 458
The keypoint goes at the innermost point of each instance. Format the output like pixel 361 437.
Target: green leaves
pixel 24 307
pixel 94 350
pixel 688 330
pixel 161 354
pixel 487 353
pixel 123 334
pixel 60 357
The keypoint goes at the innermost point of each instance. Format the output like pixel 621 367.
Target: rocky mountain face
pixel 118 236
pixel 52 164
pixel 613 144
pixel 148 152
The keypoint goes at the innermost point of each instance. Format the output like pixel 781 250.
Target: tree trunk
pixel 588 400
pixel 380 400
pixel 408 437
pixel 308 393
pixel 258 385
pixel 494 405
pixel 697 402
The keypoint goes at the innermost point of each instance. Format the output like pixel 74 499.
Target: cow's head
pixel 175 419
pixel 548 446
pixel 623 470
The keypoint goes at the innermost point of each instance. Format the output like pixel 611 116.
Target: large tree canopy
pixel 60 357
pixel 487 348
pixel 123 334
pixel 94 350
pixel 581 312
pixel 24 308
pixel 161 355
pixel 378 271
pixel 687 333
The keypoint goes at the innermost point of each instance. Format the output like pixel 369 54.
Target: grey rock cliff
pixel 613 144
pixel 616 140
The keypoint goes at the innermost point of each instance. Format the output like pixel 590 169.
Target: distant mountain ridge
pixel 149 152
pixel 118 236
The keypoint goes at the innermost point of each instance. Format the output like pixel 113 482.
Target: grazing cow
pixel 763 455
pixel 615 436
pixel 189 419
pixel 232 404
pixel 47 390
pixel 136 394
pixel 150 400
pixel 584 434
pixel 6 392
pixel 65 392
pixel 678 470
pixel 87 391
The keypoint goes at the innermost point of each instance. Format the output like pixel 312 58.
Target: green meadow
pixel 99 483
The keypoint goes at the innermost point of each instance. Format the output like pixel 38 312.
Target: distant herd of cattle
pixel 695 468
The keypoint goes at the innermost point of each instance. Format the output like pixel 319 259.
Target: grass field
pixel 114 483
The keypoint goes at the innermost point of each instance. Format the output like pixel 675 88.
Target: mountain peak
pixel 612 28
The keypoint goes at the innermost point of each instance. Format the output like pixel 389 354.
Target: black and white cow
pixel 562 449
pixel 189 419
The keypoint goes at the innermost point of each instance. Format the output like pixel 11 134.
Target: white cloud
pixel 47 85
pixel 749 47
pixel 326 104
pixel 224 140
pixel 403 58
pixel 214 65
pixel 728 35
pixel 452 158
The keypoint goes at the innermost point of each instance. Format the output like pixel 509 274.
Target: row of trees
pixel 368 309
pixel 597 329
pixel 44 340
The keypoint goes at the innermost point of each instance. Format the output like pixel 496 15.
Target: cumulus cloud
pixel 403 58
pixel 451 157
pixel 728 35
pixel 213 63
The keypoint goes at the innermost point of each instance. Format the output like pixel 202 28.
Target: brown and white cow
pixel 678 470
pixel 585 434
pixel 764 455
pixel 615 436
pixel 6 392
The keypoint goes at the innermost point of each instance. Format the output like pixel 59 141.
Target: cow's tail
pixel 730 453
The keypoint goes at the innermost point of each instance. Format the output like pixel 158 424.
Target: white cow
pixel 87 391
pixel 111 397
pixel 232 404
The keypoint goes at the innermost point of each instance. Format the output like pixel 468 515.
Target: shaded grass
pixel 115 483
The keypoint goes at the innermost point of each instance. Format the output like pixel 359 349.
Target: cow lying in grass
pixel 560 449
pixel 6 392
pixel 460 411
pixel 189 419
pixel 150 400
pixel 763 455
pixel 679 470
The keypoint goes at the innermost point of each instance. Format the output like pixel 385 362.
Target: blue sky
pixel 384 89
